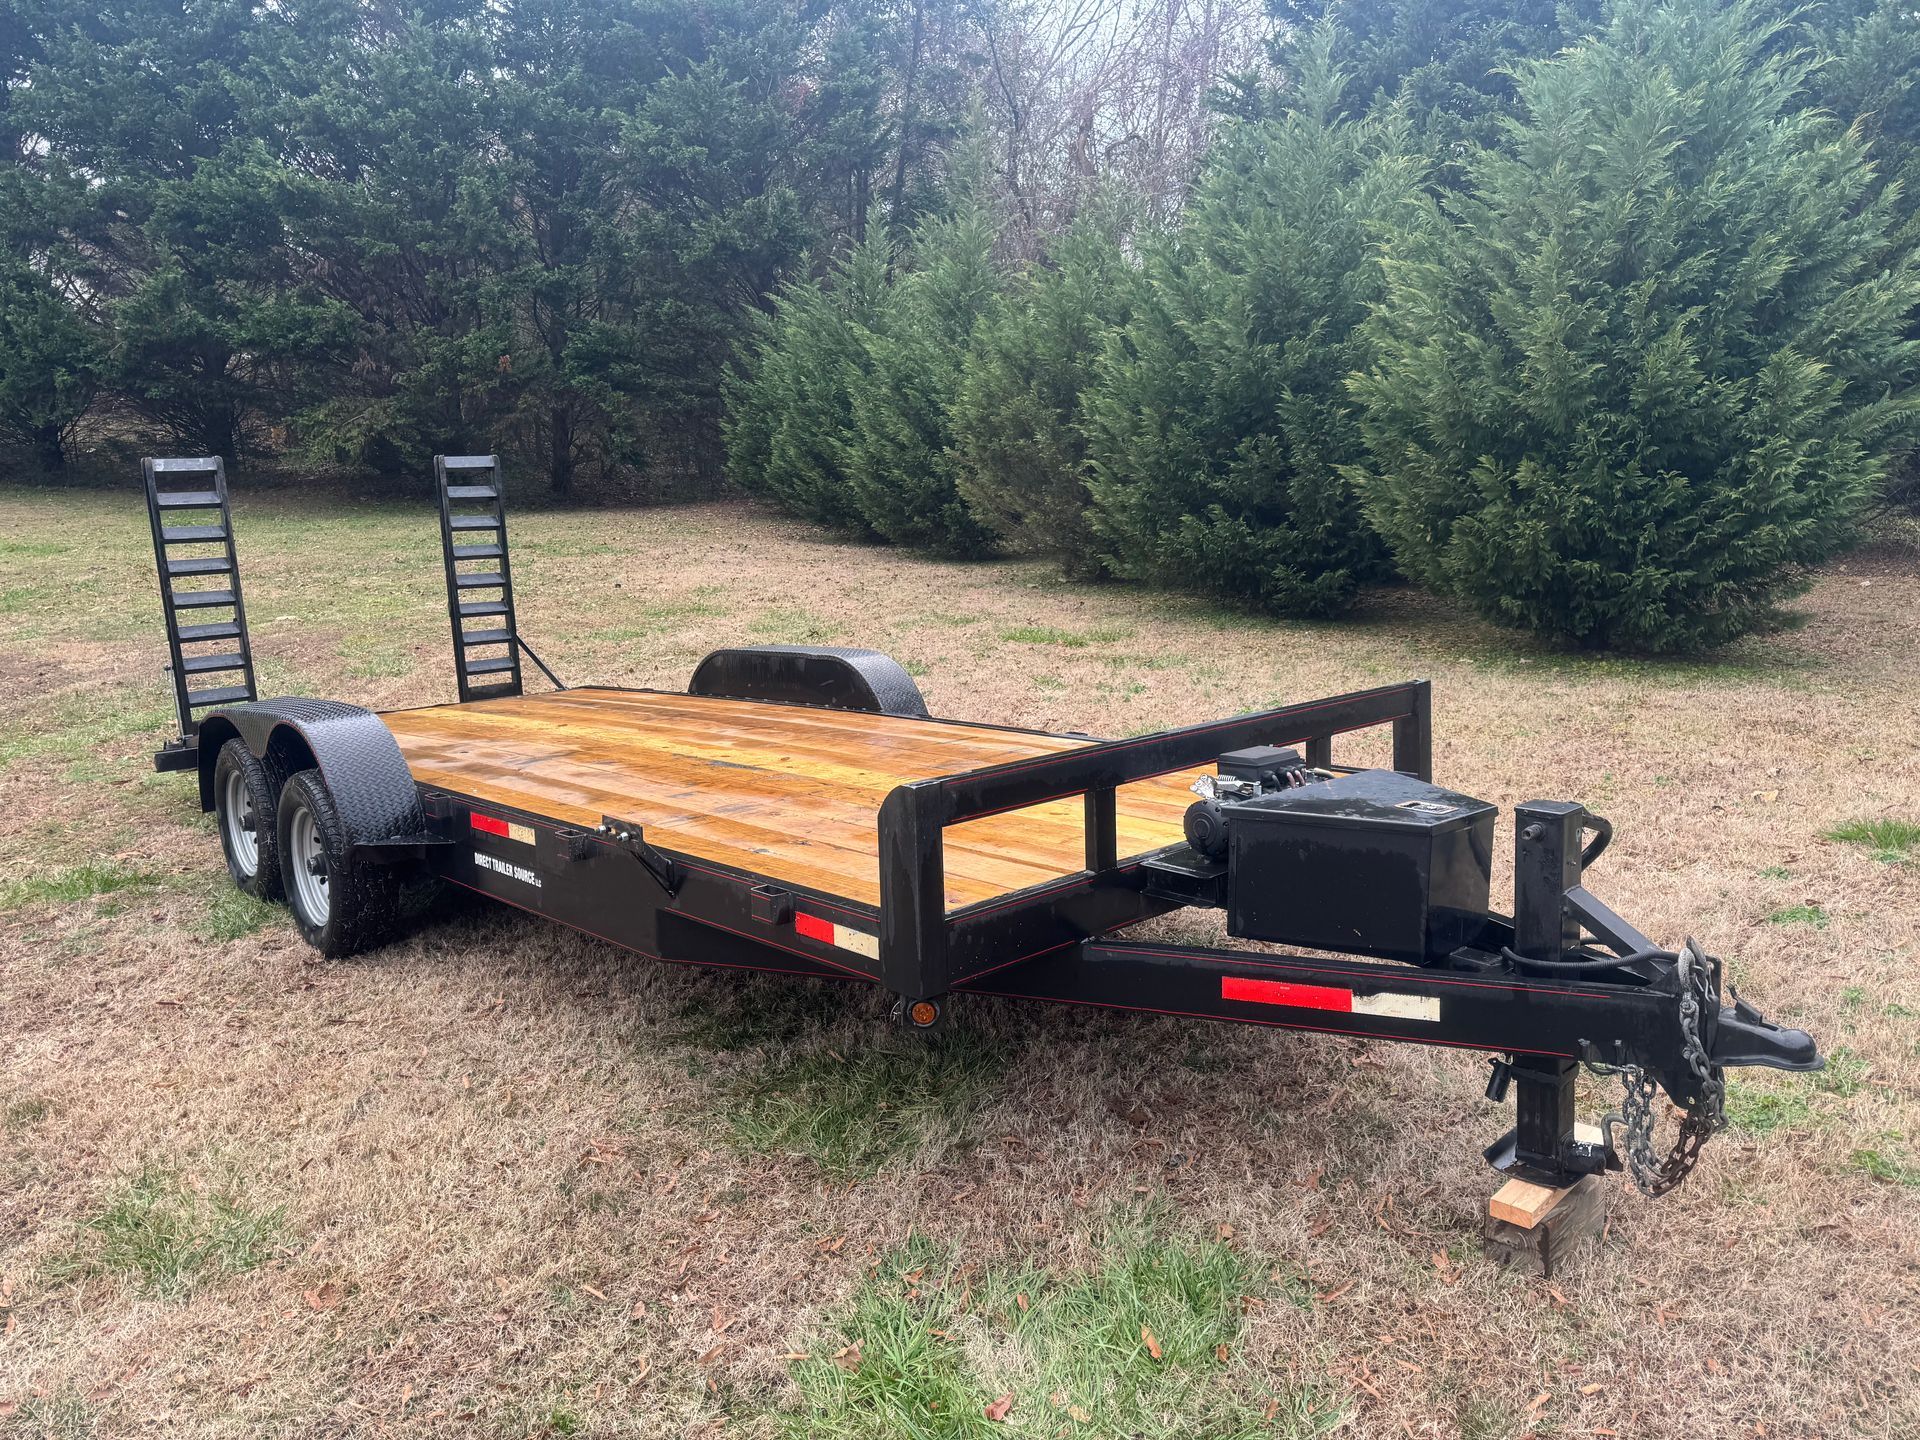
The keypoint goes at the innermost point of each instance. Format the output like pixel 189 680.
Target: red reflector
pixel 489 824
pixel 813 927
pixel 1284 992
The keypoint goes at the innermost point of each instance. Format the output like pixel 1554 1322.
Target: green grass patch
pixel 954 621
pixel 1812 915
pixel 1844 1076
pixel 760 1010
pixel 375 662
pixel 650 620
pixel 168 1236
pixel 62 1415
pixel 1891 841
pixel 77 882
pixel 31 549
pixel 1888 1166
pixel 1143 1346
pixel 24 1114
pixel 853 1114
pixel 1761 1108
pixel 232 913
pixel 1483 1419
pixel 790 626
pixel 81 728
pixel 1071 639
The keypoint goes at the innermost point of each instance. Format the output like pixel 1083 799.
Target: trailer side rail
pixel 915 953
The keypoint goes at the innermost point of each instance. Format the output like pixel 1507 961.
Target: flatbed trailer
pixel 798 811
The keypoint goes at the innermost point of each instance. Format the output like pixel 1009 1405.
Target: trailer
pixel 797 810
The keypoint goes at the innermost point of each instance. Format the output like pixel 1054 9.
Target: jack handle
pixel 1602 837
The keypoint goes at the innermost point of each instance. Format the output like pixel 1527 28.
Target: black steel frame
pixel 606 880
pixel 1050 942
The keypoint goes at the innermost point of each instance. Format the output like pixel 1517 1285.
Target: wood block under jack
pixel 1541 1227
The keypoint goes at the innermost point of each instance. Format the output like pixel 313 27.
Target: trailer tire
pixel 243 806
pixel 342 904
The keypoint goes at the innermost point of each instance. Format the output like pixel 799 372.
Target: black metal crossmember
pixel 209 654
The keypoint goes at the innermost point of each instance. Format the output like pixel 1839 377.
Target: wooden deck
pixel 787 792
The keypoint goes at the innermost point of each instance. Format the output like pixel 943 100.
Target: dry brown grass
pixel 508 1197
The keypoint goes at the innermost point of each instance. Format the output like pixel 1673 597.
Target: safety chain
pixel 1700 1122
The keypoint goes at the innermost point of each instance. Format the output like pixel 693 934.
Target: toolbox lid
pixel 1366 799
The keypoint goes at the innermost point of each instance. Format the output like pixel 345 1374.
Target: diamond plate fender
pixel 365 772
pixel 827 675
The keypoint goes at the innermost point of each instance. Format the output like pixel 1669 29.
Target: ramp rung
pixel 199 599
pixel 485 637
pixel 222 630
pixel 467 462
pixel 192 465
pixel 479 609
pixel 472 492
pixel 226 695
pixel 489 667
pixel 211 664
pixel 490 692
pixel 188 499
pixel 473 522
pixel 489 581
pixel 477 552
pixel 212 565
pixel 192 534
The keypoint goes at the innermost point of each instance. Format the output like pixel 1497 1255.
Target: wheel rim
pixel 307 859
pixel 236 807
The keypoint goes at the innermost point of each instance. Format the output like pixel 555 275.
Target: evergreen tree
pixel 790 397
pixel 388 138
pixel 903 472
pixel 49 350
pixel 48 363
pixel 1217 433
pixel 1869 74
pixel 144 109
pixel 1651 365
pixel 1017 416
pixel 1448 62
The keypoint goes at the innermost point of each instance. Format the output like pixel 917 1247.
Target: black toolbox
pixel 1373 862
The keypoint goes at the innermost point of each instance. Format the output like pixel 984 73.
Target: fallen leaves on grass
pixel 1151 1341
pixel 997 1411
pixel 327 1295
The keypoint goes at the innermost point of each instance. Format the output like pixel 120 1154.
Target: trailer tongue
pixel 798 811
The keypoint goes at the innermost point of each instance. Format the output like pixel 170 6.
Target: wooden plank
pixel 1522 1203
pixel 1575 1219
pixel 784 791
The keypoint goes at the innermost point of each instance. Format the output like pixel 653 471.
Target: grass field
pixel 502 1181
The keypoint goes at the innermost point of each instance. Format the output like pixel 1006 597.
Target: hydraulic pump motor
pixel 1373 863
